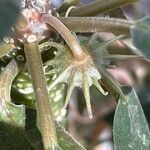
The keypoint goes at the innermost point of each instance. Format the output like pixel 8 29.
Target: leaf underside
pixel 130 128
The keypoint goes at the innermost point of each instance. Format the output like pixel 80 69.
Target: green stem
pixel 47 124
pixel 72 42
pixel 98 7
pixel 97 24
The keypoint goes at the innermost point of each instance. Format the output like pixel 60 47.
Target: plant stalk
pixel 47 124
pixel 72 42
pixel 97 24
pixel 99 7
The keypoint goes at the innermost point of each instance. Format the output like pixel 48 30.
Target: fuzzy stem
pixel 98 7
pixel 97 24
pixel 66 34
pixel 47 124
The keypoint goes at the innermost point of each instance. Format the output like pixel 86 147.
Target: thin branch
pixel 98 7
pixel 97 24
pixel 47 124
pixel 72 42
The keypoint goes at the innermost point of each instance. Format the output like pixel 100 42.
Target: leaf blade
pixel 130 126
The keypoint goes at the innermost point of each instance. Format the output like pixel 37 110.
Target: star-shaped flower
pixel 76 73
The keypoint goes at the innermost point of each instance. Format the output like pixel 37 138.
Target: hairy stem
pixel 47 124
pixel 97 24
pixel 66 34
pixel 98 7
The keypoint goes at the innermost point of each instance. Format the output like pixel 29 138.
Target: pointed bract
pixel 76 73
pixel 95 82
pixel 86 92
pixel 69 90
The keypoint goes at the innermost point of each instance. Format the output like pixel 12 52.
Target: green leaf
pixel 18 130
pixel 66 141
pixel 8 15
pixel 130 129
pixel 12 121
pixel 140 33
